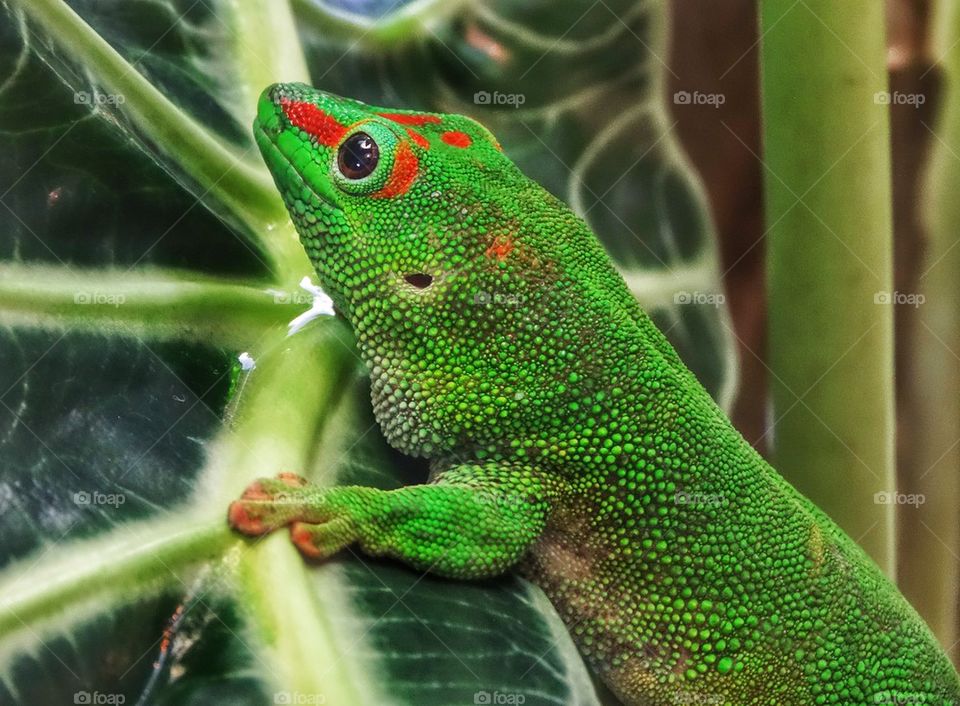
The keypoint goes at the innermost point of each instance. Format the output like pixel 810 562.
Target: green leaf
pixel 142 249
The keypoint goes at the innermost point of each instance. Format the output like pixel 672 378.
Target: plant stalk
pixel 829 259
pixel 930 568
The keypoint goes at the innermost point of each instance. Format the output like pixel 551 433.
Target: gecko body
pixel 568 440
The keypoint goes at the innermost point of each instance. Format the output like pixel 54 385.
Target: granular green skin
pixel 567 438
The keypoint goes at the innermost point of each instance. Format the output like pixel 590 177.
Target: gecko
pixel 567 441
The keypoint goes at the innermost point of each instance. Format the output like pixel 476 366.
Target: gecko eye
pixel 358 156
pixel 364 161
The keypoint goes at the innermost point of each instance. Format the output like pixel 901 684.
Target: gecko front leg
pixel 473 521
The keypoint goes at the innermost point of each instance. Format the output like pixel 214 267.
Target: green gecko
pixel 567 439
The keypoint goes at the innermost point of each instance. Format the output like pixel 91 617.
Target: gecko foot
pixel 266 504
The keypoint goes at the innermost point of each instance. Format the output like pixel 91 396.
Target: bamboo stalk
pixel 829 241
pixel 930 568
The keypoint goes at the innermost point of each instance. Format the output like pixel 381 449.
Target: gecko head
pixel 437 250
pixel 373 192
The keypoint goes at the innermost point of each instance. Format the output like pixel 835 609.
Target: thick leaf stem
pixel 279 415
pixel 153 303
pixel 127 563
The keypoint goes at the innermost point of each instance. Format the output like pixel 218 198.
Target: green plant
pixel 829 267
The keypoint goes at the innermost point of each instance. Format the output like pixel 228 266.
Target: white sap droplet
pixel 322 306
pixel 246 361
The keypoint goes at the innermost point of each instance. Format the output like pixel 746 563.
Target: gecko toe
pixel 241 520
pixel 292 479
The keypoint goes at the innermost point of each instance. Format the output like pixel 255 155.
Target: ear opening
pixel 418 280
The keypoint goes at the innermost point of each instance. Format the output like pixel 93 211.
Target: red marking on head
pixel 501 247
pixel 306 116
pixel 410 118
pixel 418 138
pixel 456 138
pixel 406 167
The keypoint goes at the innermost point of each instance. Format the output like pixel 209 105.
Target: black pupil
pixel 358 156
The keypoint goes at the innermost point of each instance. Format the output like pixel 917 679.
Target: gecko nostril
pixel 420 280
